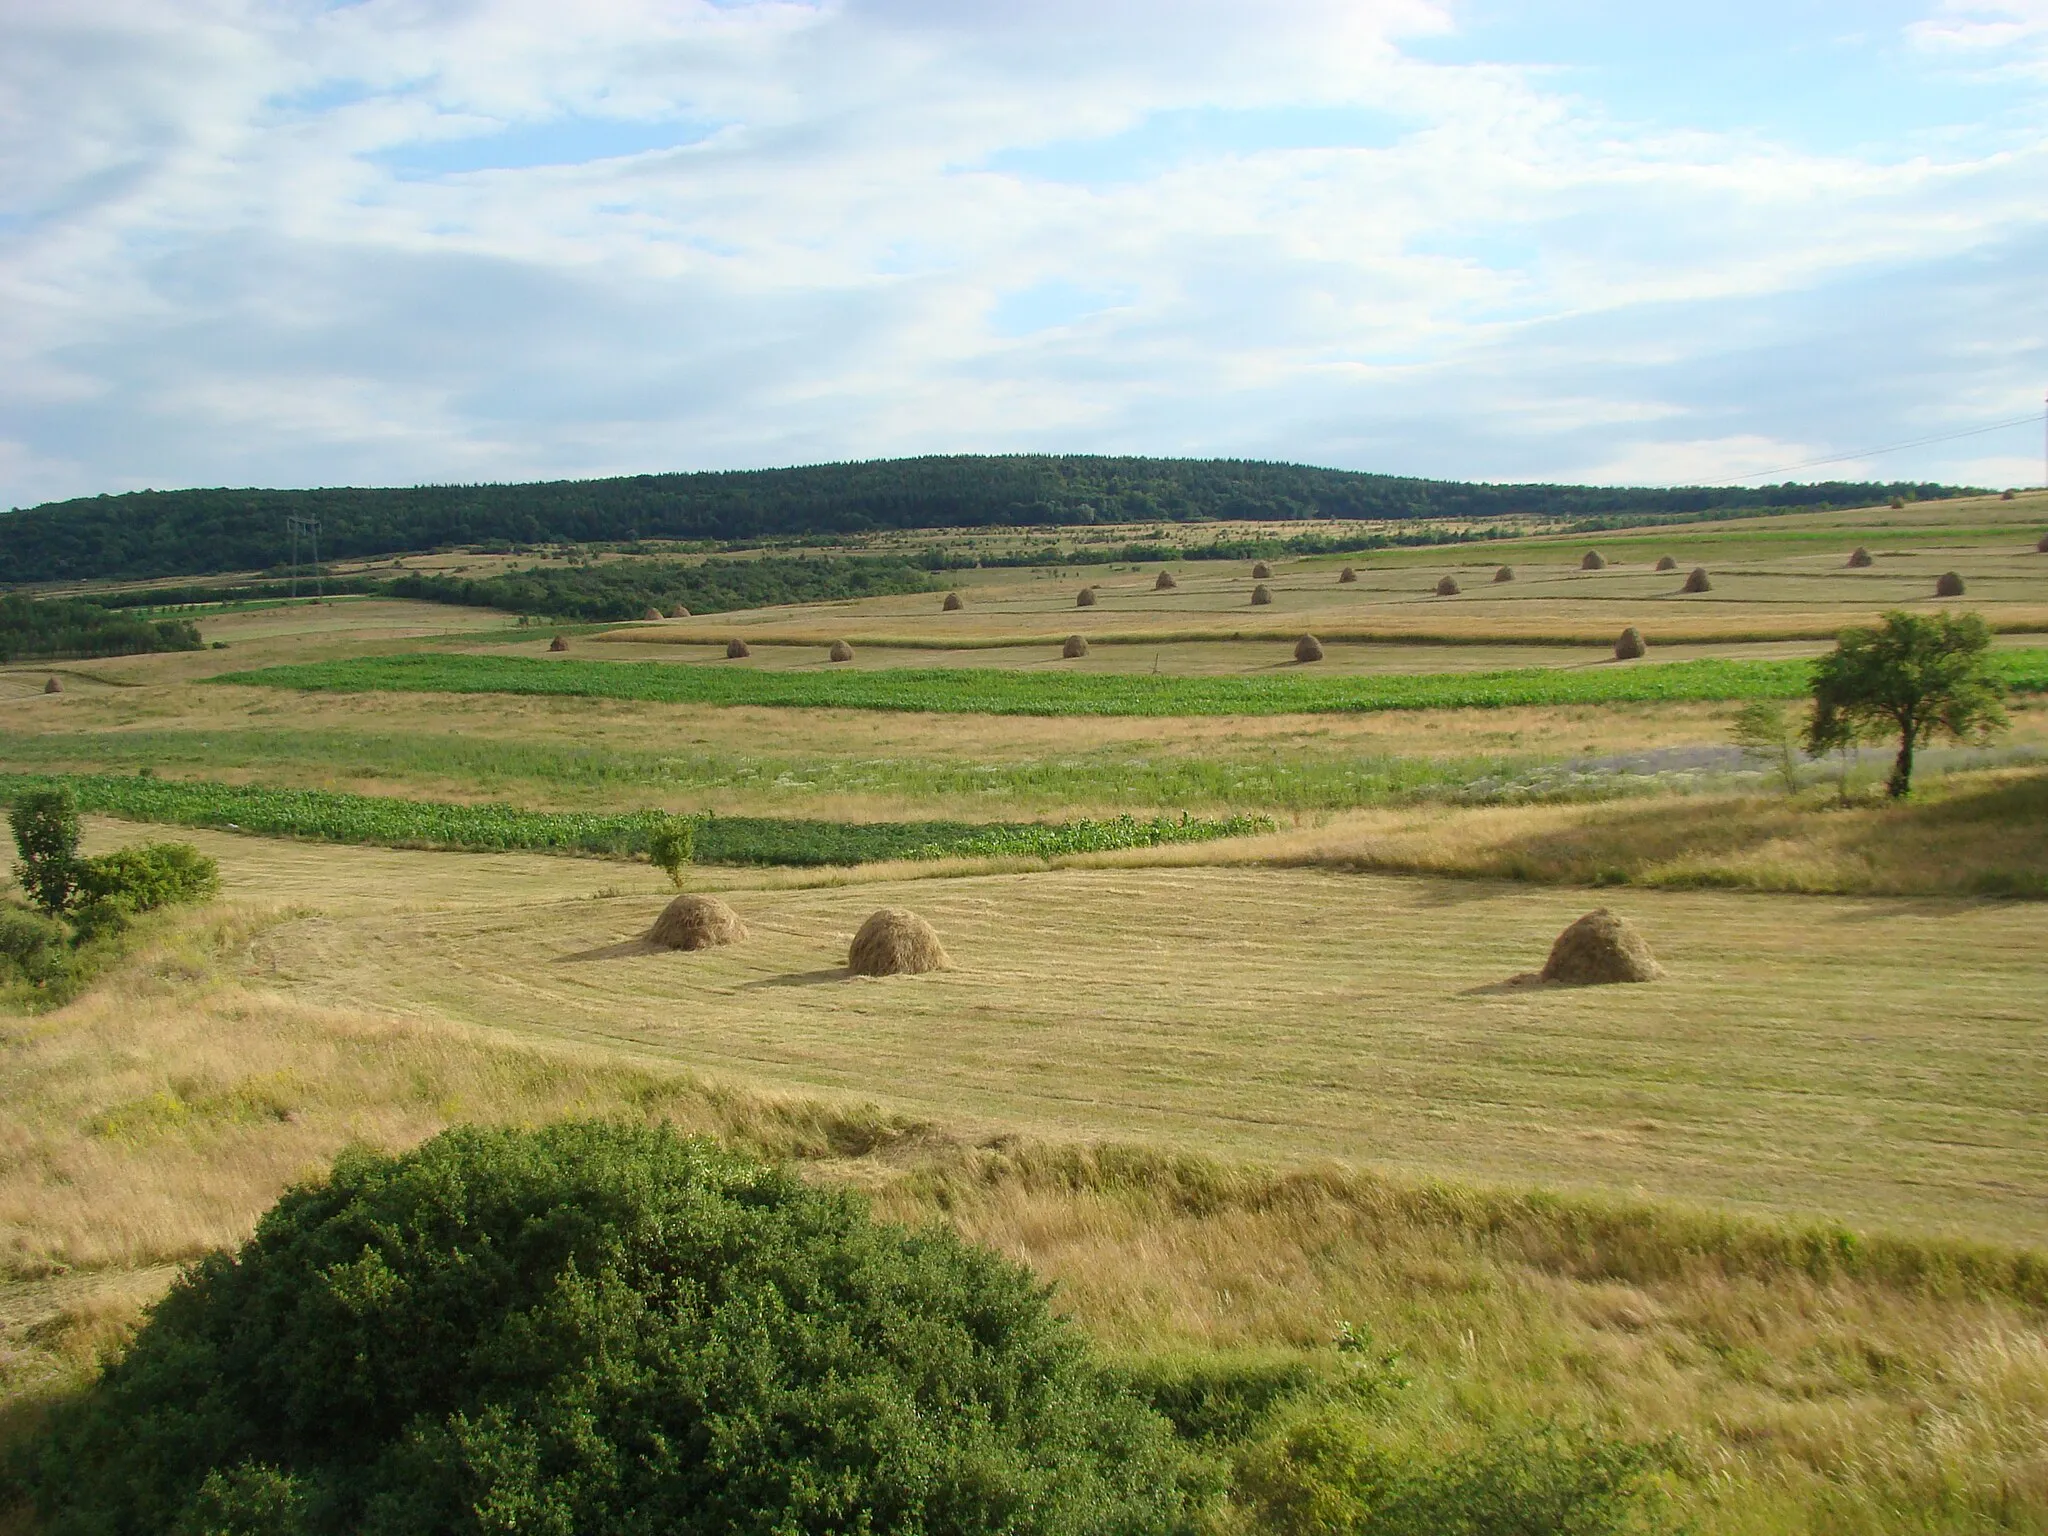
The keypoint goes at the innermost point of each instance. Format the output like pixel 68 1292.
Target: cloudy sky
pixel 286 243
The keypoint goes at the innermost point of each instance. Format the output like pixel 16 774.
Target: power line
pixel 1871 453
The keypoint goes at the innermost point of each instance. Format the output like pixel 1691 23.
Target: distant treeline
pixel 34 631
pixel 626 589
pixel 169 533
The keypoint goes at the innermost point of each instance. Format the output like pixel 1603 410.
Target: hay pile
pixel 1697 581
pixel 1505 573
pixel 1592 562
pixel 1600 948
pixel 894 942
pixel 1448 587
pixel 1948 584
pixel 735 649
pixel 840 651
pixel 1346 576
pixel 1308 648
pixel 1860 558
pixel 1261 571
pixel 1085 598
pixel 952 604
pixel 1165 583
pixel 1261 597
pixel 1631 645
pixel 696 922
pixel 53 686
pixel 1668 563
pixel 2041 548
pixel 2005 495
pixel 652 613
pixel 559 643
pixel 1075 647
pixel 679 612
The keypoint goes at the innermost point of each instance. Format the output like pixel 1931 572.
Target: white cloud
pixel 227 254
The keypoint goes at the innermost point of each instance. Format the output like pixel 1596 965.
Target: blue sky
pixel 288 243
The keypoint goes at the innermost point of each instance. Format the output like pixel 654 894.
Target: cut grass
pixel 1072 693
pixel 390 822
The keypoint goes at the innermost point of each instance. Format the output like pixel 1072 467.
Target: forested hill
pixel 172 533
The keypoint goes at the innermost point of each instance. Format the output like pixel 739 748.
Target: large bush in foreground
pixel 591 1329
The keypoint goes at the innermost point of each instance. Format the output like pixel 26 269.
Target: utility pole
pixel 307 525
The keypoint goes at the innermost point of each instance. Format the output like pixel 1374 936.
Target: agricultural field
pixel 1237 1045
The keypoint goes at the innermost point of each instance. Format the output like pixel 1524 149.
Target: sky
pixel 291 243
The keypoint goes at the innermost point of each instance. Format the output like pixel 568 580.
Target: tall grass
pixel 987 691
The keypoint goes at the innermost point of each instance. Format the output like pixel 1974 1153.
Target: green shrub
pixel 1332 1475
pixel 599 1329
pixel 34 948
pixel 45 827
pixel 671 844
pixel 145 876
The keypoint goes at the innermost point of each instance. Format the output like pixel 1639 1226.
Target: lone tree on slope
pixel 1913 676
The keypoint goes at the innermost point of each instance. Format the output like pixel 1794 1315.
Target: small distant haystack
pixel 952 604
pixel 1260 597
pixel 1346 576
pixel 2005 495
pixel 1165 583
pixel 559 643
pixel 735 649
pixel 1948 584
pixel 1085 598
pixel 1448 587
pixel 1898 503
pixel 2041 545
pixel 894 942
pixel 1261 571
pixel 1668 563
pixel 1593 561
pixel 1600 948
pixel 1308 648
pixel 679 612
pixel 53 686
pixel 652 613
pixel 1074 648
pixel 1697 581
pixel 1861 558
pixel 696 922
pixel 1631 645
pixel 840 651
pixel 1505 573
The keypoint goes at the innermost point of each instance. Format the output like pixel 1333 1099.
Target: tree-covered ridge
pixel 168 533
pixel 626 589
pixel 33 631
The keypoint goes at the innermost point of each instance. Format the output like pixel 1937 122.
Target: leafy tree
pixel 603 1330
pixel 1914 677
pixel 1769 740
pixel 45 827
pixel 671 846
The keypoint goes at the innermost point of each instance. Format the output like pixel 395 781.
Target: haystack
pixel 53 686
pixel 894 942
pixel 1668 563
pixel 1448 587
pixel 559 643
pixel 952 604
pixel 1948 584
pixel 1075 647
pixel 1165 583
pixel 679 612
pixel 1261 597
pixel 735 649
pixel 2041 546
pixel 652 613
pixel 1085 598
pixel 2005 495
pixel 1308 648
pixel 1898 503
pixel 840 651
pixel 1505 573
pixel 696 922
pixel 1600 948
pixel 1697 581
pixel 1593 561
pixel 1261 571
pixel 1861 558
pixel 1346 576
pixel 1630 645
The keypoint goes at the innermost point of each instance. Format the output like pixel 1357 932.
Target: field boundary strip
pixel 990 691
pixel 390 822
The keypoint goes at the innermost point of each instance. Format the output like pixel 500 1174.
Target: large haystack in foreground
pixel 735 649
pixel 1308 648
pixel 840 651
pixel 696 922
pixel 894 942
pixel 1075 647
pixel 1630 646
pixel 1597 949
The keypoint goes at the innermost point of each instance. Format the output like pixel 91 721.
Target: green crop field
pixel 982 691
pixel 394 823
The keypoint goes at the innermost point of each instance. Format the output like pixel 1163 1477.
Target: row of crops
pixel 492 828
pixel 986 691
